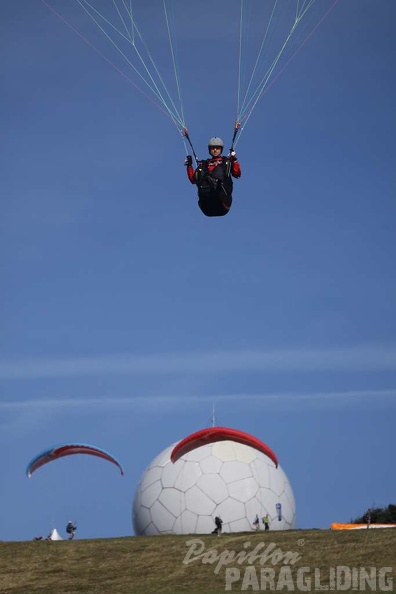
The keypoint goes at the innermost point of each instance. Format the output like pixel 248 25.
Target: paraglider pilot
pixel 214 179
pixel 219 526
pixel 70 529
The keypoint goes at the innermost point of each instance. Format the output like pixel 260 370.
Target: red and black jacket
pixel 209 166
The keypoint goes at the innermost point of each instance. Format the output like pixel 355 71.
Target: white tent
pixel 55 535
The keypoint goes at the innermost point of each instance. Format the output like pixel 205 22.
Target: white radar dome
pixel 222 478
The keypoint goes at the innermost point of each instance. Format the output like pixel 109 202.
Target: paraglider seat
pixel 215 195
pixel 214 207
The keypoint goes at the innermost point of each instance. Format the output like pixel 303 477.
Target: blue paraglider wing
pixel 68 449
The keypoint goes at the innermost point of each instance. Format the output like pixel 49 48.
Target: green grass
pixel 145 565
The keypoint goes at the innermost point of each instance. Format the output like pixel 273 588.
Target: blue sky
pixel 125 313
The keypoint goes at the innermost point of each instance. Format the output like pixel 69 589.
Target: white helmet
pixel 215 141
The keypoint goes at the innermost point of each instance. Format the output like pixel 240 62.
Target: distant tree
pixel 379 515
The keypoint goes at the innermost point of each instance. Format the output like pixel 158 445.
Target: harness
pixel 218 180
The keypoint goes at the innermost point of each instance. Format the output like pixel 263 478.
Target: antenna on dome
pixel 213 415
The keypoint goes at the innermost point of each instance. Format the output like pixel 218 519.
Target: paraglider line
pixel 73 28
pixel 186 135
pixel 233 142
pixel 153 86
pixel 246 117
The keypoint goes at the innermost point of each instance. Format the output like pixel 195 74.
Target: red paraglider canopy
pixel 213 434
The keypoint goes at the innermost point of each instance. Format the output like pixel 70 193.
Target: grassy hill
pixel 145 565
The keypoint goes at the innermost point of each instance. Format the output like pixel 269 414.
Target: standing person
pixel 368 517
pixel 213 178
pixel 256 523
pixel 219 526
pixel 266 521
pixel 70 529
